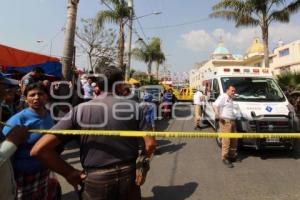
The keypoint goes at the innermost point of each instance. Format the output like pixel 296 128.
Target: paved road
pixel 191 169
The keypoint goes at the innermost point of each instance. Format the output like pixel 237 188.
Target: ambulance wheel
pixel 291 145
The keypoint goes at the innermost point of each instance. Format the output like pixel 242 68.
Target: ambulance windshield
pixel 254 89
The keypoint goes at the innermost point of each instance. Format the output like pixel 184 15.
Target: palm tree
pixel 68 51
pixel 160 59
pixel 290 84
pixel 149 53
pixel 119 14
pixel 289 81
pixel 256 13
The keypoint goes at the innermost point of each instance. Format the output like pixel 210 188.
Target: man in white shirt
pixel 88 90
pixel 198 99
pixel 223 107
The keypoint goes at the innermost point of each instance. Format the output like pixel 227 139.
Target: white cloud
pixel 198 40
pixel 239 40
pixel 285 32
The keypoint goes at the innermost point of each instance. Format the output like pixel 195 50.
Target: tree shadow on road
pixel 162 125
pixel 170 148
pixel 176 192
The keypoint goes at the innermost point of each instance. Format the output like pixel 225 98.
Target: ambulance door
pixel 214 93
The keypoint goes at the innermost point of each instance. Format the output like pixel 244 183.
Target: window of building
pixel 257 64
pixel 271 60
pixel 284 52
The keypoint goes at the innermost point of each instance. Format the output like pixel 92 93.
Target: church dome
pixel 256 47
pixel 221 52
pixel 221 49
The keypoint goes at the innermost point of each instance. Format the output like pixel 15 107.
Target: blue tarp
pixel 50 68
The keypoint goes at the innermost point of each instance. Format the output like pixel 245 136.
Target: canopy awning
pixel 24 61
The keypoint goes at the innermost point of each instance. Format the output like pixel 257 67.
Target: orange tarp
pixel 18 58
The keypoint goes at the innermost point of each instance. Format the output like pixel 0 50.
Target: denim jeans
pixel 116 183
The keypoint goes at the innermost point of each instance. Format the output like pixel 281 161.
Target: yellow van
pixel 185 94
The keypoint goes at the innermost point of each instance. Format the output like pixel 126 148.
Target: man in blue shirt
pixel 147 114
pixel 30 174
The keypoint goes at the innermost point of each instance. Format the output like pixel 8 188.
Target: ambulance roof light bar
pixel 255 70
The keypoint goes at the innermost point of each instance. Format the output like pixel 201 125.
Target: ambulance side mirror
pixel 211 98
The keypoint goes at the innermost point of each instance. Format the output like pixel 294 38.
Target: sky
pixel 188 35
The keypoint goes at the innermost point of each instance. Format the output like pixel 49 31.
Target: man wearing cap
pixel 223 108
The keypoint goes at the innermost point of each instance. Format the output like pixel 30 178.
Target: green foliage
pixel 289 81
pixel 256 13
pixel 118 14
pixel 149 53
pixel 152 81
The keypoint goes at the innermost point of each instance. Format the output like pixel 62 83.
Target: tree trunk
pixel 69 40
pixel 157 70
pixel 149 70
pixel 91 62
pixel 265 36
pixel 121 46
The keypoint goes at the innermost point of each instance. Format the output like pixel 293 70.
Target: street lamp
pixel 130 5
pixel 153 13
pixel 41 41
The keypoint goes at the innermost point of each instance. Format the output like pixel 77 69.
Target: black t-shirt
pixel 104 114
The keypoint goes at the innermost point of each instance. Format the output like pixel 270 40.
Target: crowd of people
pixel 28 159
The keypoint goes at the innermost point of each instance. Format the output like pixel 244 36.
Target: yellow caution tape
pixel 169 134
pixel 166 134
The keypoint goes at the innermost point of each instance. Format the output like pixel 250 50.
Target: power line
pixel 177 25
pixel 134 30
pixel 140 25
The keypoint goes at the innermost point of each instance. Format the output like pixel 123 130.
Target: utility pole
pixel 68 51
pixel 127 71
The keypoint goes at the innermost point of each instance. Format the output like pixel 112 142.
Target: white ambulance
pixel 259 104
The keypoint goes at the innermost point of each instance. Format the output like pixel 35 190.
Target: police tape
pixel 169 134
pixel 163 134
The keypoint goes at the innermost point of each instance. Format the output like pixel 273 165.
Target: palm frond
pixel 229 15
pixel 293 7
pixel 247 20
pixel 228 4
pixel 280 16
pixel 106 16
pixel 139 54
